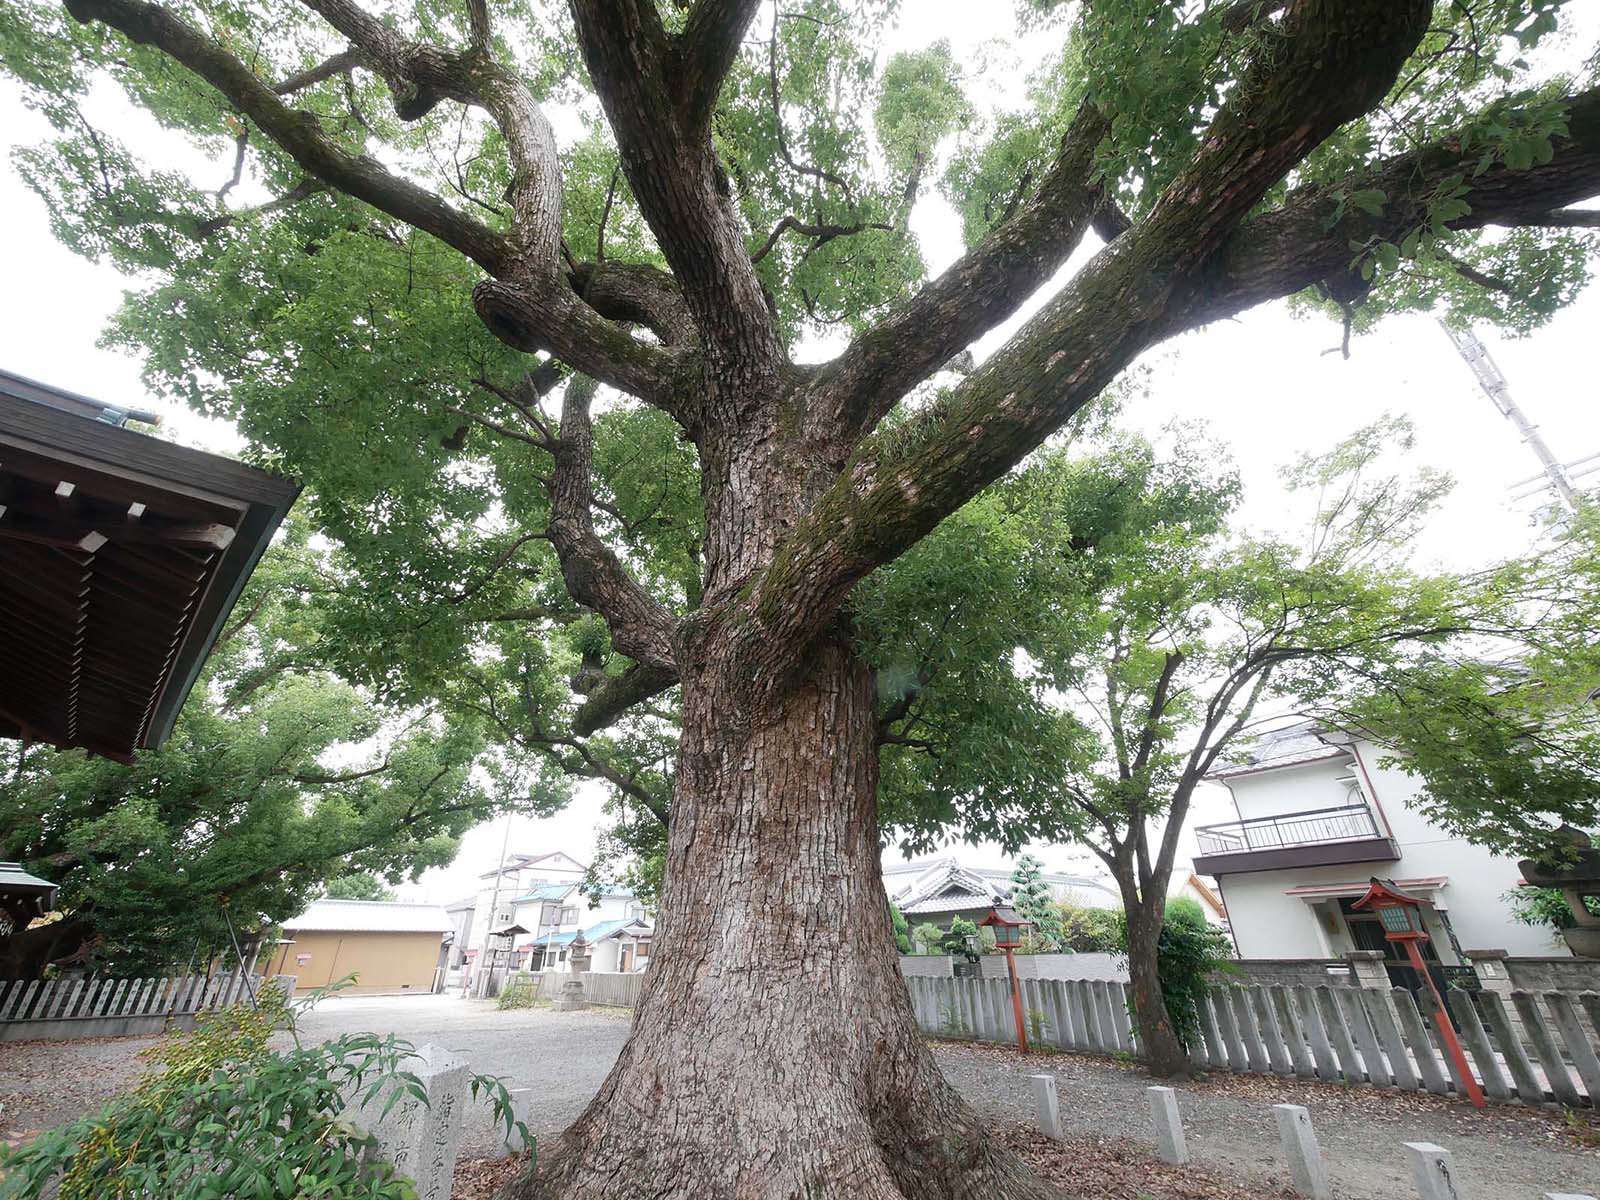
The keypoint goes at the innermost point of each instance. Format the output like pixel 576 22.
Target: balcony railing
pixel 1314 827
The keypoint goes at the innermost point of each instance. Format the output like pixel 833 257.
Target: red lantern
pixel 1007 926
pixel 1401 915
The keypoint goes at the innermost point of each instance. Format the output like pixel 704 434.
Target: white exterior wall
pixel 1267 923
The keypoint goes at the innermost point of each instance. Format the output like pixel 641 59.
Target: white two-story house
pixel 613 925
pixel 1317 817
pixel 532 910
pixel 495 908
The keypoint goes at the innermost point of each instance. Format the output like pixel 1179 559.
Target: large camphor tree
pixel 739 189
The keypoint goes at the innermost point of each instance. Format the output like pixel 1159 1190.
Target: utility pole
pixel 494 903
pixel 1556 475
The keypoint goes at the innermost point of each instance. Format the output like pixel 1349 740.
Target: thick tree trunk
pixel 1163 1053
pixel 774 1052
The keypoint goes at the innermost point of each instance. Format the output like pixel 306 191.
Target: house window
pixel 569 915
pixel 550 914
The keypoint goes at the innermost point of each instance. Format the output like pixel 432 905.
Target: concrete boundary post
pixel 1326 1065
pixel 1299 1142
pixel 1101 992
pixel 1416 1036
pixel 1216 1053
pixel 1237 1060
pixel 1432 1170
pixel 1380 1011
pixel 1529 1089
pixel 1046 1108
pixel 1570 1025
pixel 1289 1023
pixel 1168 1124
pixel 1544 1045
pixel 1271 1032
pixel 1366 1041
pixel 1245 1019
pixel 1121 997
pixel 1339 1035
pixel 1477 1041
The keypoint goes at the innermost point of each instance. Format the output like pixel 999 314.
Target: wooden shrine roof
pixel 121 556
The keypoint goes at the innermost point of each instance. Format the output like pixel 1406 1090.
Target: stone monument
pixel 420 1139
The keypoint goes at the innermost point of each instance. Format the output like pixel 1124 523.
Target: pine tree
pixel 1032 900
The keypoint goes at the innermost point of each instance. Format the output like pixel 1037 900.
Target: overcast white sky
pixel 1261 384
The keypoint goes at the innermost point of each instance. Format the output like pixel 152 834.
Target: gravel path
pixel 564 1057
pixel 1503 1153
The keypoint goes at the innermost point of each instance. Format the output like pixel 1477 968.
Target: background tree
pixel 1190 953
pixel 745 190
pixel 1086 930
pixel 902 931
pixel 1506 743
pixel 957 939
pixel 927 937
pixel 279 781
pixel 1153 656
pixel 1031 898
pixel 358 885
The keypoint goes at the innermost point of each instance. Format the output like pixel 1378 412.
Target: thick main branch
pixel 299 133
pixel 979 291
pixel 675 175
pixel 1326 65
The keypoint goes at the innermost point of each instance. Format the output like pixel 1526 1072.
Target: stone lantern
pixel 1577 874
pixel 571 997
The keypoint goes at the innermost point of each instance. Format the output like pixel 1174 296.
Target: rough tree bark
pixel 1159 1046
pixel 774 1053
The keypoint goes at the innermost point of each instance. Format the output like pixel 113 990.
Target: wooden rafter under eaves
pixel 121 556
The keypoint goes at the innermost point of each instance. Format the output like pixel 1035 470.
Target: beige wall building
pixel 389 946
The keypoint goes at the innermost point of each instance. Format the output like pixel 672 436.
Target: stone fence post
pixel 1490 967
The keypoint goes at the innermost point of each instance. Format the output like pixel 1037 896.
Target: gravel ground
pixel 1502 1153
pixel 564 1057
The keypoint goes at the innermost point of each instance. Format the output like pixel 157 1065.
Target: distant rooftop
pixel 1302 742
pixel 593 934
pixel 371 916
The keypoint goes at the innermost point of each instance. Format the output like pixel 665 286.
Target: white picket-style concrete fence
pixel 94 1007
pixel 1545 1051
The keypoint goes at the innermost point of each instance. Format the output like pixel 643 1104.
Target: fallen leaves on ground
pixel 1109 1168
pixel 1084 1166
pixel 481 1178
